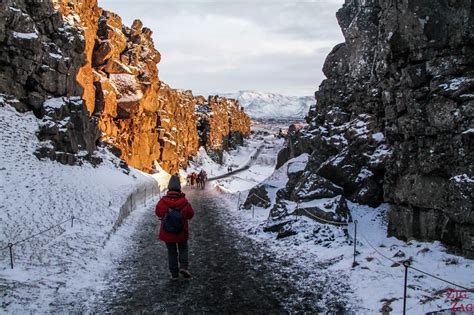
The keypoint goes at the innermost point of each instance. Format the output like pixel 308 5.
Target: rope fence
pixel 239 206
pixel 407 264
pixel 321 219
pixel 73 218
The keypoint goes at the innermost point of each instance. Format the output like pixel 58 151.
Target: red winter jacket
pixel 174 199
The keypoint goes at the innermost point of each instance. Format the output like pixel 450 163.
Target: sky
pixel 223 46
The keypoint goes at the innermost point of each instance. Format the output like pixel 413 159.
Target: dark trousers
pixel 173 257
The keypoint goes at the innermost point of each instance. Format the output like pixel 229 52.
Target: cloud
pixel 229 45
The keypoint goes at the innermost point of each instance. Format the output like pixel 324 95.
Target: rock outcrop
pixel 222 124
pixel 177 126
pixel 84 16
pixel 40 56
pixel 140 115
pixel 79 68
pixel 394 118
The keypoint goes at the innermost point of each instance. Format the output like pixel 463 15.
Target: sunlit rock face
pixel 56 52
pixel 394 118
pixel 84 16
pixel 40 56
pixel 222 124
pixel 178 135
pixel 120 80
pixel 143 117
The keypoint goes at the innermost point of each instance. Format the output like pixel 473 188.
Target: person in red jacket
pixel 176 242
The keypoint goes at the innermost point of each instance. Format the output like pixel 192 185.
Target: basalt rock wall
pixel 394 118
pixel 137 113
pixel 79 68
pixel 222 124
pixel 40 56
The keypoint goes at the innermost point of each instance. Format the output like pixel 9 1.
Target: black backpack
pixel 173 222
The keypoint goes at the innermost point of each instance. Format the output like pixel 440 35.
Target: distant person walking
pixel 174 211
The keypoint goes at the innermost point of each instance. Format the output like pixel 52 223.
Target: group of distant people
pixel 229 169
pixel 197 180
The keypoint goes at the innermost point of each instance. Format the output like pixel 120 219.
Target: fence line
pixel 419 270
pixel 255 195
pixel 407 264
pixel 37 234
pixel 239 206
pixel 89 223
pixel 72 218
pixel 438 278
pixel 324 220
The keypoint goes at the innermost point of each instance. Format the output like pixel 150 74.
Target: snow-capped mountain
pixel 263 105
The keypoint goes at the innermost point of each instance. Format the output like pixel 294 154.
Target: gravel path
pixel 231 274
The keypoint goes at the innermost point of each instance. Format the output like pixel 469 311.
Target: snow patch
pixel 54 103
pixel 299 165
pixel 26 36
pixel 468 132
pixel 379 137
pixel 455 83
pixel 463 178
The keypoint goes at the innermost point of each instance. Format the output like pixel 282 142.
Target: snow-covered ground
pixel 36 195
pixel 377 281
pixel 261 105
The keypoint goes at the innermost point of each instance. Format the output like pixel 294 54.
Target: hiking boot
pixel 185 273
pixel 174 277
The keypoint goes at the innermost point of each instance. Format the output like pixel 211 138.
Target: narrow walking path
pixel 230 274
pixel 240 169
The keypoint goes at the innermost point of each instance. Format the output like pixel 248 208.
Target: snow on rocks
pixel 376 284
pixel 381 153
pixel 363 174
pixel 25 36
pixel 463 178
pixel 455 83
pixel 378 136
pixel 297 166
pixel 469 131
pixel 54 103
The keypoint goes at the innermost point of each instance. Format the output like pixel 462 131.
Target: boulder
pixel 313 186
pixel 326 210
pixel 258 196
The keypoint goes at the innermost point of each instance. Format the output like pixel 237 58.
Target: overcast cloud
pixel 213 46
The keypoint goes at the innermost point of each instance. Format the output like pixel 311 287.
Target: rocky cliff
pixel 140 115
pixel 394 118
pixel 52 49
pixel 222 124
pixel 40 56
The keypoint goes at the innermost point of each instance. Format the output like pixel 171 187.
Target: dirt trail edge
pixel 231 273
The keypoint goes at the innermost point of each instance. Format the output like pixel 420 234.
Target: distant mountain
pixel 263 105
